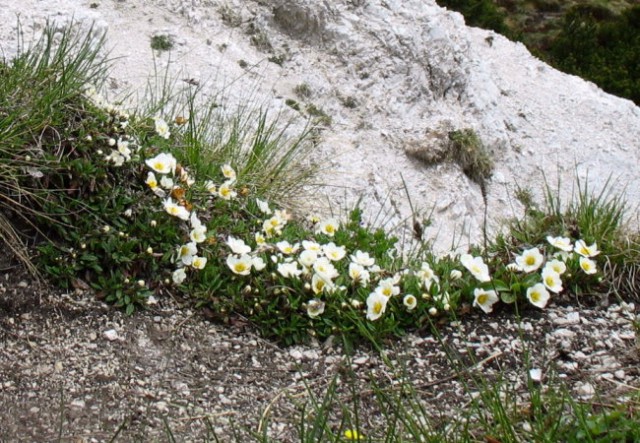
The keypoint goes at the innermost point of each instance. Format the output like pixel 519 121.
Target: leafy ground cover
pixel 180 201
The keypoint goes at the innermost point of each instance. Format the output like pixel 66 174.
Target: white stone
pixel 585 390
pixel 111 334
pixel 535 374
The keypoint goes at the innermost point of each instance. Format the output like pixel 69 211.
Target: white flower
pixel 116 158
pixel 588 265
pixel 123 149
pixel 328 227
pixel 484 299
pixel 530 260
pixel 556 266
pixel 287 248
pixel 387 287
pixel 166 182
pixel 162 128
pixel 538 295
pixel 321 284
pixel 410 302
pixel 162 163
pixel 259 238
pixel 362 258
pixel 176 210
pixel 185 177
pixel 258 263
pixel 476 266
pixel 211 187
pixel 426 275
pixel 289 270
pixel 562 243
pixel 186 252
pixel 315 307
pixel 376 305
pixel 586 251
pixel 263 206
pixel 240 265
pixel 358 274
pixel 307 258
pixel 198 234
pixel 333 252
pixel 226 192
pixel 274 224
pixel 551 280
pixel 179 276
pixel 194 220
pixel 311 246
pixel 199 262
pixel 228 172
pixel 238 246
pixel 455 274
pixel 324 267
pixel 151 180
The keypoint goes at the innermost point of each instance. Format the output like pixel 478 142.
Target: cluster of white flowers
pixel 316 264
pixel 122 152
pixel 530 261
pixel 174 180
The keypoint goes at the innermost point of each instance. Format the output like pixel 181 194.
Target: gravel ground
pixel 74 369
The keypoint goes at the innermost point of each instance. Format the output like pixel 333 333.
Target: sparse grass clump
pixel 162 43
pixel 303 91
pixel 467 150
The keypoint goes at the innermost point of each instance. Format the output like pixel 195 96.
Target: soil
pixel 75 369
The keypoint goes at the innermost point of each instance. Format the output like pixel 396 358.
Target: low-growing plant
pixel 320 117
pixel 467 150
pixel 303 91
pixel 292 104
pixel 162 42
pixel 230 16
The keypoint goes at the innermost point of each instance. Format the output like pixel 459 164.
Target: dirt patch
pixel 74 369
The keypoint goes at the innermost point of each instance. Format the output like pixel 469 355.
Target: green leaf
pixel 508 297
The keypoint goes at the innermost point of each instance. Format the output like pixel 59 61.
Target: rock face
pixel 396 77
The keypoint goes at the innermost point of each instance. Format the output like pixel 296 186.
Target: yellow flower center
pixel 377 307
pixel 240 267
pixel 482 299
pixel 535 296
pixel 530 260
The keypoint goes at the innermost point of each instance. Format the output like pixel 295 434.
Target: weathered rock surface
pixel 391 74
